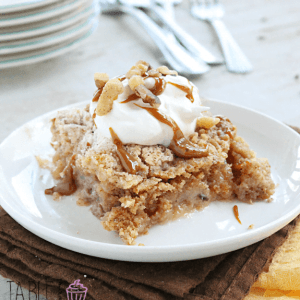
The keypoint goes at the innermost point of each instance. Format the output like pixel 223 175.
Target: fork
pixel 212 11
pixel 176 56
pixel 185 39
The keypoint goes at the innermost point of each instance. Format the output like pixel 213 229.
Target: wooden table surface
pixel 267 30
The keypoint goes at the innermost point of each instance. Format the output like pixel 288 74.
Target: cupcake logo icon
pixel 76 291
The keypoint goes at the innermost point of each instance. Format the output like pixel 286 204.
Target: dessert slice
pixel 146 151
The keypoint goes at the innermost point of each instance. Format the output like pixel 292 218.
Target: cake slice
pixel 146 151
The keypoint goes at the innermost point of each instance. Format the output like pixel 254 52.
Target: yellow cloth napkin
pixel 282 281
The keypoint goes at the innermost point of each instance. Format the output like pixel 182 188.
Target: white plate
pixel 35 11
pixel 63 8
pixel 17 33
pixel 10 6
pixel 47 53
pixel 205 233
pixel 49 40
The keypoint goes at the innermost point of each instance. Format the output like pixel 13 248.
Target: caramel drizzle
pixel 159 86
pixel 236 213
pixel 187 90
pixel 179 144
pixel 67 186
pixel 97 95
pixel 157 89
pixel 131 98
pixel 129 163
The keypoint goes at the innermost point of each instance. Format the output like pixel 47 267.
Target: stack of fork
pixel 180 50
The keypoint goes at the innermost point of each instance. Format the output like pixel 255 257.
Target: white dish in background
pixel 35 11
pixel 205 233
pixel 37 17
pixel 11 6
pixel 62 36
pixel 39 55
pixel 42 28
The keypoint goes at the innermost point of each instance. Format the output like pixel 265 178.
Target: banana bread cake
pixel 146 151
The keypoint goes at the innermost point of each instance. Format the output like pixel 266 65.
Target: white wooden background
pixel 267 30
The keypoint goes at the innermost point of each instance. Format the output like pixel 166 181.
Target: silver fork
pixel 185 39
pixel 176 56
pixel 168 6
pixel 212 11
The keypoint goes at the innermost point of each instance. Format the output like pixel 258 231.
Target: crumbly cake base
pixel 166 187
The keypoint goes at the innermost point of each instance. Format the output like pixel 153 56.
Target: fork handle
pixel 185 39
pixel 235 59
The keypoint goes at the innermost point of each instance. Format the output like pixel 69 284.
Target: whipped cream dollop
pixel 136 125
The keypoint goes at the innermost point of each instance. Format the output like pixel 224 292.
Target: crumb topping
pixel 135 81
pixel 207 122
pixel 100 79
pixel 111 90
pixel 147 96
pixel 165 71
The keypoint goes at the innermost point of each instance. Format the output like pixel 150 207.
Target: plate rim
pixel 46 55
pixel 39 17
pixel 66 22
pixel 148 250
pixel 29 5
pixel 69 33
